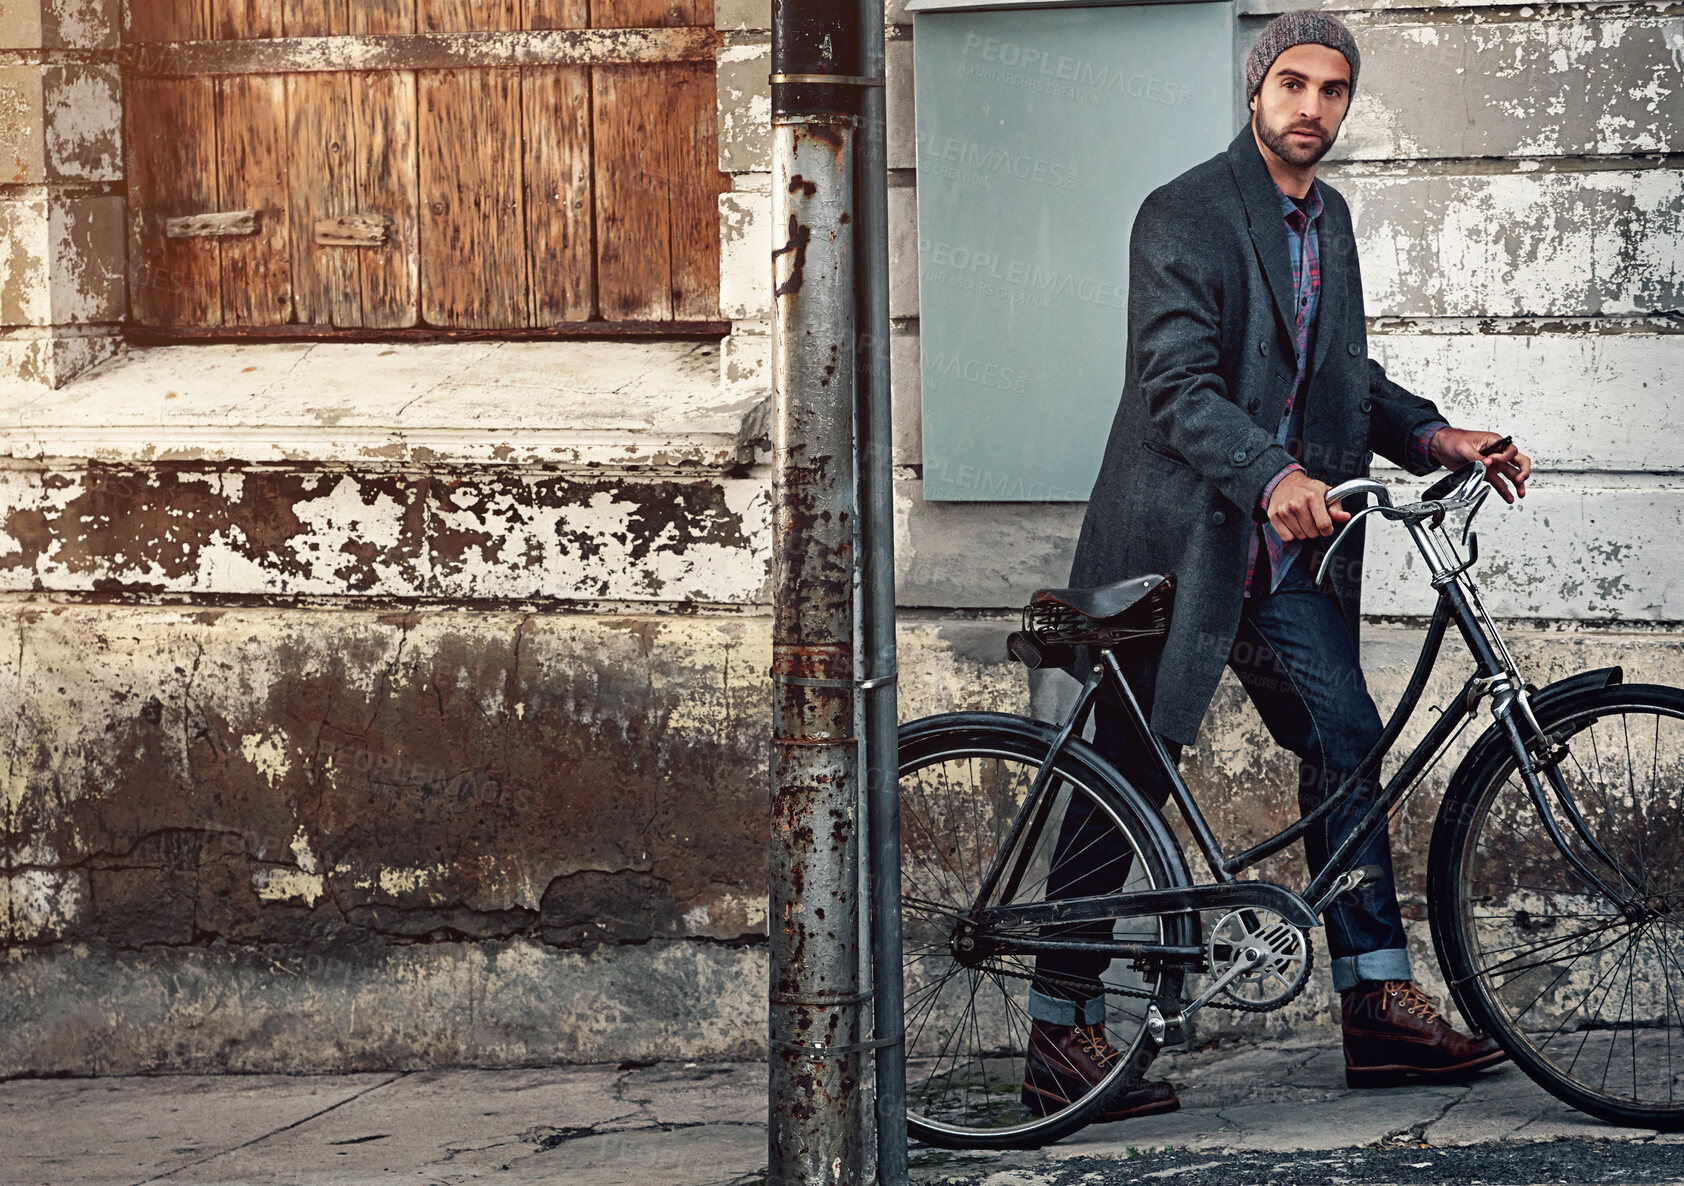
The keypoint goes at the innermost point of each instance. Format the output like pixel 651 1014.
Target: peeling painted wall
pixel 492 533
pixel 186 775
pixel 369 711
pixel 296 839
pixel 61 206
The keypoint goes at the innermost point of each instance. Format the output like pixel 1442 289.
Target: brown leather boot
pixel 1065 1061
pixel 1393 1030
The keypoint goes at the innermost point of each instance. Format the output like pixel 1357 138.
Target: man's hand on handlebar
pixel 1455 447
pixel 1298 507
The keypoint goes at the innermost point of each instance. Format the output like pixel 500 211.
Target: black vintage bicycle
pixel 1556 879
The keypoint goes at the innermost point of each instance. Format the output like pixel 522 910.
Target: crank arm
pixel 1344 884
pixel 1169 1028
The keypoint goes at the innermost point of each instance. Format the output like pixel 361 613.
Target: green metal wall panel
pixel 1039 133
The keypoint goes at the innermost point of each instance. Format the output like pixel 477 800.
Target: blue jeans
pixel 1295 659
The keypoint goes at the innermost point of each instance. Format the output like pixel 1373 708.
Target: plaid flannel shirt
pixel 1303 245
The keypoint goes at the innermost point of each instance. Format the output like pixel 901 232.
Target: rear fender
pixel 971 726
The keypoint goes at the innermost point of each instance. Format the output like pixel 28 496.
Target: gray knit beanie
pixel 1302 27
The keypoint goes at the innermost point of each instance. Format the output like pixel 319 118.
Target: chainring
pixel 1289 956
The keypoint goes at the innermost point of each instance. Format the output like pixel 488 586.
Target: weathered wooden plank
pixel 252 161
pixel 630 14
pixel 224 223
pixel 473 250
pixel 171 149
pixel 556 110
pixel 383 106
pixel 1597 85
pixel 355 230
pixel 666 331
pixel 296 54
pixel 693 161
pixel 632 178
pixel 327 285
pixel 382 16
pixel 555 14
pixel 1538 244
pixel 233 20
pixel 461 16
pixel 166 20
pixel 316 18
pixel 656 197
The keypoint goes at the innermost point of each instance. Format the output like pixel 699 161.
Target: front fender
pixel 1493 740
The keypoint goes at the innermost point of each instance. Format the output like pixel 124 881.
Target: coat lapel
pixel 1263 216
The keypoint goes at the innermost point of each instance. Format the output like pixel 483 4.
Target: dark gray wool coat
pixel 1210 362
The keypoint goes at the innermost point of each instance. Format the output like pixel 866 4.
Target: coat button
pixel 1262 347
pixel 1368 457
pixel 1365 404
pixel 1239 456
pixel 1253 404
pixel 1354 349
pixel 1218 518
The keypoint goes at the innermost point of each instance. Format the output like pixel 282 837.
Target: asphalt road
pixel 1568 1161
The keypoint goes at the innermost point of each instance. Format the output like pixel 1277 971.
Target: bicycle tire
pixel 1521 935
pixel 950 827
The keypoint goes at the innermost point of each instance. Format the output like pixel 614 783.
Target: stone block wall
pixel 62 295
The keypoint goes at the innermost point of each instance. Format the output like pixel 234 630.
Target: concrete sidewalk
pixel 689 1125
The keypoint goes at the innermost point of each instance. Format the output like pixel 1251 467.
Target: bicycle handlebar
pixel 1359 486
pixel 1464 487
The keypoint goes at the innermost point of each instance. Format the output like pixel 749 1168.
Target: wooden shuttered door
pixel 325 166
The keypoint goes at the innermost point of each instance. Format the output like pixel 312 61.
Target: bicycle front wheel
pixel 972 1079
pixel 1587 996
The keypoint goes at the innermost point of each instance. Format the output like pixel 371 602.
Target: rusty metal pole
pixel 814 1000
pixel 877 613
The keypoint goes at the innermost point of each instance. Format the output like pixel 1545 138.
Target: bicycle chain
pixel 1232 1006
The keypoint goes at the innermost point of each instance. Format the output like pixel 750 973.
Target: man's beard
pixel 1294 152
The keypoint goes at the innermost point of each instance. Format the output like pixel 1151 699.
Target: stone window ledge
pixel 567 405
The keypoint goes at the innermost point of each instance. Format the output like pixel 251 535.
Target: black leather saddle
pixel 1103 601
pixel 1057 621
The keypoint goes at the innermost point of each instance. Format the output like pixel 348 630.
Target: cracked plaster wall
pixel 302 839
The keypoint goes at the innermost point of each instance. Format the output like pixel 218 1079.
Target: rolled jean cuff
pixel 1058 1011
pixel 1351 970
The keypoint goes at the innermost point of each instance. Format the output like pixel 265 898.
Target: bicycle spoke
pixel 1582 985
pixel 1672 1000
pixel 1566 968
pixel 1556 1033
pixel 1512 968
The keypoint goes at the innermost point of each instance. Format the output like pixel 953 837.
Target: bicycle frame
pixel 1496 674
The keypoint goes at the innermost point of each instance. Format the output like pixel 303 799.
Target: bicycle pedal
pixel 1166 1028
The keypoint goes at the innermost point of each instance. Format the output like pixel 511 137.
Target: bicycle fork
pixel 1548 762
pixel 1508 690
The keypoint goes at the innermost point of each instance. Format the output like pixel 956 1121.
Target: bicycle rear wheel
pixel 963 780
pixel 1588 999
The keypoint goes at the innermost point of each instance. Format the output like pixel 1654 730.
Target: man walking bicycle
pixel 1249 393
